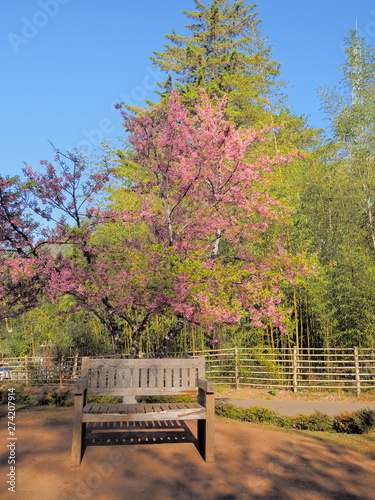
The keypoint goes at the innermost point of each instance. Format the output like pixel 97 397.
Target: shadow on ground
pixel 136 462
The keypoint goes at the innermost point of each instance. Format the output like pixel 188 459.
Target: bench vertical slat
pixel 143 377
pixel 93 381
pixel 176 378
pixel 168 377
pixel 111 377
pixel 185 377
pixel 102 378
pixel 126 380
pixel 152 378
pixel 135 378
pixel 160 377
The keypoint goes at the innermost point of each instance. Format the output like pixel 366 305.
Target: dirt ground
pixel 164 464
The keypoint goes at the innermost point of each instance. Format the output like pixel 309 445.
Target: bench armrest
pixel 206 385
pixel 80 386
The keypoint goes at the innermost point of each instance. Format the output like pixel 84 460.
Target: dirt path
pixel 251 463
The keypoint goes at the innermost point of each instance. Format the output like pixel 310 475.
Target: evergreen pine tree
pixel 225 54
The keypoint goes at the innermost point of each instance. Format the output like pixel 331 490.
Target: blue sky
pixel 66 62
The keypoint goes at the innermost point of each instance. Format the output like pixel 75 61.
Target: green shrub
pixel 229 411
pixel 255 414
pixel 365 419
pixel 170 399
pixel 265 415
pixel 358 422
pixel 105 400
pixel 23 396
pixel 318 421
pixel 345 422
pixel 57 398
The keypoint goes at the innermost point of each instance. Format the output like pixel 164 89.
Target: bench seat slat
pixel 142 412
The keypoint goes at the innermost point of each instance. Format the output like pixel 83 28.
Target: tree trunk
pixel 137 331
pixel 172 334
pixel 136 337
pixel 118 342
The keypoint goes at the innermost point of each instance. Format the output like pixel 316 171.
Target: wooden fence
pixel 293 368
pixel 289 368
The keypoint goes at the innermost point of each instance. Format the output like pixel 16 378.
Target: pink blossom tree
pixel 195 208
pixel 201 208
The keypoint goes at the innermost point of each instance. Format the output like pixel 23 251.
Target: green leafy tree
pixel 339 199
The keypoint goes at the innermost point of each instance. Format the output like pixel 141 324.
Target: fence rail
pixel 290 368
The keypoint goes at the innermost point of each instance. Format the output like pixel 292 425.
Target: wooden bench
pixel 144 377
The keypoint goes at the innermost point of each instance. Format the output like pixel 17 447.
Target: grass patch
pixel 359 422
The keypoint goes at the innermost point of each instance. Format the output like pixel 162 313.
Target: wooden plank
pixel 177 377
pixel 126 377
pixel 186 414
pixel 93 378
pixel 206 436
pixel 102 378
pixel 111 377
pixel 160 377
pixel 185 376
pixel 168 378
pixel 140 363
pixel 143 377
pixel 135 377
pixel 139 391
pixel 152 377
pixel 78 431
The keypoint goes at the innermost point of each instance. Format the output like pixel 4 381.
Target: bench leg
pixel 79 431
pixel 206 444
pixel 206 435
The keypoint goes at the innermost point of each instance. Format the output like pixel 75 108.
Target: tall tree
pixel 225 54
pixel 206 207
pixel 340 198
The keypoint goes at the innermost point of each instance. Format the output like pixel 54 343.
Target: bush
pixel 169 399
pixel 57 398
pixel 365 419
pixel 255 414
pixel 105 400
pixel 358 422
pixel 229 411
pixel 318 421
pixel 23 396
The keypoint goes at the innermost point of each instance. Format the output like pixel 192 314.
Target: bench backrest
pixel 143 377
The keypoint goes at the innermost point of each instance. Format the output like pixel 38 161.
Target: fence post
pixel 236 371
pixel 75 366
pixel 357 374
pixel 295 368
pixel 26 370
